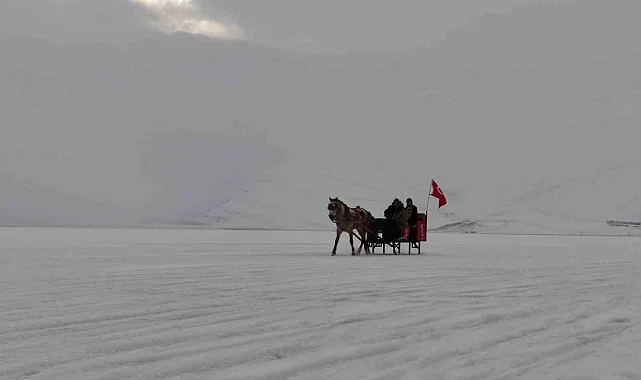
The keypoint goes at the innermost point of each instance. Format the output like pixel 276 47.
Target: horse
pixel 348 219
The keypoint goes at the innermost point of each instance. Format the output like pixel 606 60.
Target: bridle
pixel 341 209
pixel 334 205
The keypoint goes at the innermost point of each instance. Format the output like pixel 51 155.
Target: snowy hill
pixel 292 198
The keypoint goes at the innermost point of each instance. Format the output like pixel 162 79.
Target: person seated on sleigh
pixel 412 218
pixel 395 220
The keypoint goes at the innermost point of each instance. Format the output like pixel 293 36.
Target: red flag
pixel 438 193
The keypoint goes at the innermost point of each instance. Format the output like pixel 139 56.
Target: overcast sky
pixel 316 25
pixel 108 114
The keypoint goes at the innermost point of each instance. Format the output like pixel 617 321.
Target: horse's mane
pixel 339 201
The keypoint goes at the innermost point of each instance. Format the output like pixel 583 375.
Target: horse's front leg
pixel 338 236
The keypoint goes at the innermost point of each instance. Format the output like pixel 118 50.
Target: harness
pixel 351 214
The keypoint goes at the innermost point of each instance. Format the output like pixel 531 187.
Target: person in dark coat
pixel 391 213
pixel 412 219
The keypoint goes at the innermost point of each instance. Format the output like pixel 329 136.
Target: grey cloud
pixel 341 25
pixel 545 34
pixel 71 20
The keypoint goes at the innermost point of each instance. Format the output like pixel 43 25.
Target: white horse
pixel 348 219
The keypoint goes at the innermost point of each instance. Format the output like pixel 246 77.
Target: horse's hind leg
pixel 351 242
pixel 363 237
pixel 373 237
pixel 338 236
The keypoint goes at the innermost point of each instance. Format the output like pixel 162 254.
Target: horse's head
pixel 334 207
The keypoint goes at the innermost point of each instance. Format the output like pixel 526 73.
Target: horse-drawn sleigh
pixel 348 219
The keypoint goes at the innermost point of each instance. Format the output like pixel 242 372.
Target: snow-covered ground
pixel 200 304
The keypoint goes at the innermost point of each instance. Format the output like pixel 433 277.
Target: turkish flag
pixel 438 193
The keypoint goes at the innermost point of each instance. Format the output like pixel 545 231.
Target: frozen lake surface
pixel 197 304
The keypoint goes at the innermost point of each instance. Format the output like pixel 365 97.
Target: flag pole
pixel 428 197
